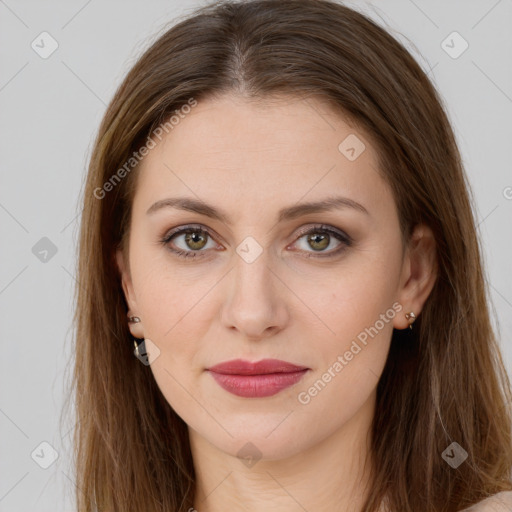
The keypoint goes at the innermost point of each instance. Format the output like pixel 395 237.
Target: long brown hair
pixel 443 383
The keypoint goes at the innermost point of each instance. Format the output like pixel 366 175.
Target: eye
pixel 189 241
pixel 320 238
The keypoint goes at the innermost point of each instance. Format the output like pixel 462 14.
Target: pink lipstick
pixel 259 379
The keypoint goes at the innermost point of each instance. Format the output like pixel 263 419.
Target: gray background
pixel 50 111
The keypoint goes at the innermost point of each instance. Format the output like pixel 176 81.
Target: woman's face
pixel 264 276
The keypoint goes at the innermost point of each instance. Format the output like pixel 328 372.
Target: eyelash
pixel 321 228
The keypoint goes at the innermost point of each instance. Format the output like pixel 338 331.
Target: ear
pixel 129 294
pixel 419 273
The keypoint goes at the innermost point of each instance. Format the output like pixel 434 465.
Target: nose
pixel 255 304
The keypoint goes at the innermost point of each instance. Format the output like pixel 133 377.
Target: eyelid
pixel 188 227
pixel 302 230
pixel 323 227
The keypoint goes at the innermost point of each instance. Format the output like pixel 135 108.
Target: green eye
pixel 319 238
pixel 195 240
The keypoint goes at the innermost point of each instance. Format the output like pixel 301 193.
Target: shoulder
pixel 501 502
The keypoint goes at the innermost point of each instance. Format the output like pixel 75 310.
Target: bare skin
pixel 250 160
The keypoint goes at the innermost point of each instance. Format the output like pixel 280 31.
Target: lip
pixel 256 379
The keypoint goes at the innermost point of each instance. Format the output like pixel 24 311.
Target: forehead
pixel 246 152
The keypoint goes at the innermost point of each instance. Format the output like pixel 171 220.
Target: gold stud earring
pixel 410 316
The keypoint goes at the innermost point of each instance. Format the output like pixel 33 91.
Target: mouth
pixel 256 379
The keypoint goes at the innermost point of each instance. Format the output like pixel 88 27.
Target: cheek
pixel 356 305
pixel 350 360
pixel 351 295
pixel 177 315
pixel 172 298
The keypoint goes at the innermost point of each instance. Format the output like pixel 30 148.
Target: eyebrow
pixel 285 214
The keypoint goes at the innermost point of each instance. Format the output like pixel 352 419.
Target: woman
pixel 282 302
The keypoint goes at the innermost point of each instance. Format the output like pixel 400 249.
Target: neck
pixel 330 475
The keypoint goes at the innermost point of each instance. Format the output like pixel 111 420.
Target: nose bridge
pixel 251 279
pixel 254 305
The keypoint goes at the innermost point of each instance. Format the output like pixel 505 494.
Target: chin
pixel 261 442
